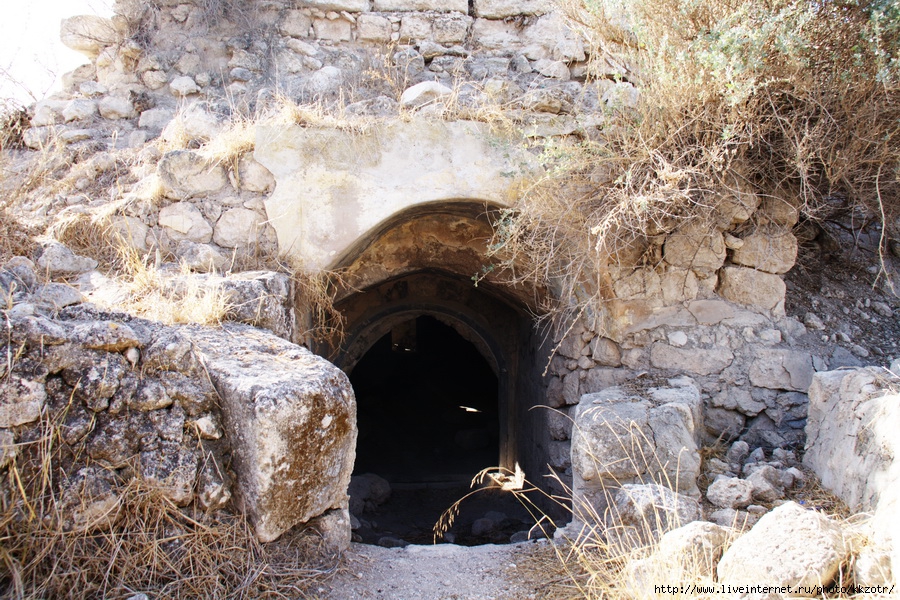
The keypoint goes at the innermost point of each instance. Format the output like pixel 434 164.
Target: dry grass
pixel 15 239
pixel 153 546
pixel 784 98
pixel 152 295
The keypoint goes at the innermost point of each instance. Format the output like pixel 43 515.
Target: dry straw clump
pixel 783 98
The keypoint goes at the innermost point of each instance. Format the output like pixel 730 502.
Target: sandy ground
pixel 441 572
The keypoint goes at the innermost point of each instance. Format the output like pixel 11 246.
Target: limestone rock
pixel 334 529
pixel 852 445
pixel 131 231
pixel 373 28
pixel 696 547
pixel 238 228
pixel 254 177
pixel 79 109
pixel 200 257
pixel 60 261
pixel 611 434
pixel 95 377
pixel 213 489
pixel 291 420
pixel 185 222
pixel 695 246
pixel 156 119
pixel 500 9
pixel 184 86
pixel 295 23
pixel 788 546
pixel 113 107
pixel 21 401
pixel 730 492
pixel 653 509
pixel 110 336
pixel 781 369
pixel 88 34
pixel 699 361
pixel 89 501
pixel 752 288
pixel 424 93
pixel 186 174
pixel 58 295
pixel 769 249
pixel 367 492
pixel 172 470
pixel 421 5
pixel 8 448
pixel 261 298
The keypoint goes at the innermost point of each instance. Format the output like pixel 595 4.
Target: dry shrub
pixel 16 239
pixel 322 322
pixel 153 546
pixel 785 98
pixel 14 121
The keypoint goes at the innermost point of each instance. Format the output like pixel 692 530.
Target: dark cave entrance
pixel 427 405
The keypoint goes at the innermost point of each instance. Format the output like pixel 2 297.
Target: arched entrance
pixel 446 371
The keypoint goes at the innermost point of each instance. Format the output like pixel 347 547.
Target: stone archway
pixel 421 263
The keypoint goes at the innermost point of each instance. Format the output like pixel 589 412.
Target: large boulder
pixel 790 546
pixel 853 447
pixel 88 34
pixel 291 419
pixel 620 438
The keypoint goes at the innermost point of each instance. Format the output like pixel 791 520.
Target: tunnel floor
pixel 428 421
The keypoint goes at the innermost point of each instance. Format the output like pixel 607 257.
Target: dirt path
pixel 443 572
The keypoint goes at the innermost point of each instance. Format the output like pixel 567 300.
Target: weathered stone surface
pixel 95 377
pixel 88 34
pixel 113 107
pixel 213 486
pixel 333 30
pixel 696 547
pixel 852 446
pixel 751 287
pixel 254 177
pixel 373 28
pixel 730 492
pixel 260 298
pixel 8 448
pixel 291 420
pixel 611 435
pixel 418 5
pixel 238 228
pixel 620 438
pixel 700 361
pixel 653 509
pixel 184 86
pixel 156 119
pixel 113 443
pixel 781 369
pixel 500 9
pixel 172 470
pixel 184 222
pixel 424 93
pixel 347 5
pixel 606 352
pixel 21 401
pixel 401 163
pixel 88 500
pixel 58 295
pixel 695 246
pixel 788 546
pixel 770 249
pixel 766 484
pixel 367 492
pixel 79 109
pixel 60 261
pixel 186 174
pixel 106 335
pixel 203 258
